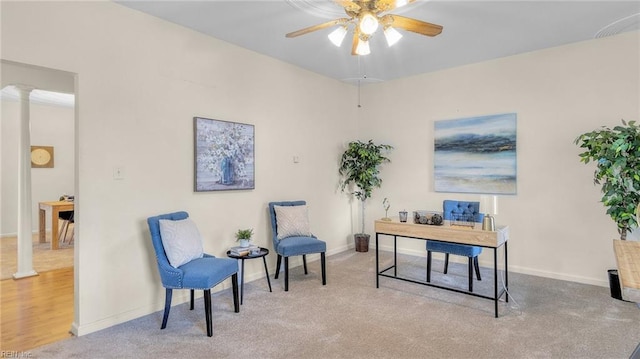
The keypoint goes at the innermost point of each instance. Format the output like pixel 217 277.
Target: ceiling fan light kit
pixel 337 36
pixel 366 16
pixel 392 35
pixel 363 47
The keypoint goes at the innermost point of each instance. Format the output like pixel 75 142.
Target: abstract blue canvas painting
pixel 476 155
pixel 224 155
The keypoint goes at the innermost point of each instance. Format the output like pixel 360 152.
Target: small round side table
pixel 263 254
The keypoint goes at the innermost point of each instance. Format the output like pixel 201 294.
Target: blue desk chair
pixel 451 210
pixel 201 273
pixel 298 243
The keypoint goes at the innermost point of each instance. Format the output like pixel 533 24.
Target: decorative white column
pixel 25 232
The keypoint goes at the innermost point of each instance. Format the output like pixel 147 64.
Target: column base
pixel 30 273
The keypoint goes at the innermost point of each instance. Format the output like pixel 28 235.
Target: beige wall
pixel 558 227
pixel 141 80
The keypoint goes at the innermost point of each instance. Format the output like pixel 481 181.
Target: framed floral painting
pixel 224 155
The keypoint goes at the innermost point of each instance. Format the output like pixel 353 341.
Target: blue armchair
pixel 451 209
pixel 295 245
pixel 201 273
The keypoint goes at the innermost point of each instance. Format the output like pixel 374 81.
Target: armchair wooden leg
pixel 192 298
pixel 446 262
pixel 428 266
pixel 475 263
pixel 234 285
pixel 167 307
pixel 323 263
pixel 207 311
pixel 286 274
pixel 278 266
pixel 470 274
pixel 304 263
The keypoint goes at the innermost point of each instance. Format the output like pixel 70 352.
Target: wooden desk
pixel 628 259
pixel 450 234
pixel 51 210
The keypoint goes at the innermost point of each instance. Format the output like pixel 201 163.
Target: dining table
pixel 51 210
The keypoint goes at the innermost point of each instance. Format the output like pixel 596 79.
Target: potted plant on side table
pixel 616 152
pixel 359 167
pixel 244 237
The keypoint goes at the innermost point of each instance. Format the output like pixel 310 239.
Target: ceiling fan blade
pixel 409 24
pixel 317 27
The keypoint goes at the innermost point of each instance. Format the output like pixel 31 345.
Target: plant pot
pixel 362 242
pixel 245 243
pixel 614 284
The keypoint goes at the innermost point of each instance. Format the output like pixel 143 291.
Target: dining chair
pixel 469 211
pixel 67 219
pixel 291 236
pixel 183 264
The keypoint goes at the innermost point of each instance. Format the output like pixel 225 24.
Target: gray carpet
pixel 350 318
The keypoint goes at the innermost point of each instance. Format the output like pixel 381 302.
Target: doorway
pixel 53 125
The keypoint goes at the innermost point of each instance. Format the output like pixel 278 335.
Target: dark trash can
pixel 614 284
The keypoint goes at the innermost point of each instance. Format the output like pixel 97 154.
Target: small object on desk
pixel 488 223
pixel 403 216
pixel 386 205
pixel 427 217
pixel 463 220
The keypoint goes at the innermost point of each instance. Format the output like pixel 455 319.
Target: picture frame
pixel 224 155
pixel 42 157
pixel 476 154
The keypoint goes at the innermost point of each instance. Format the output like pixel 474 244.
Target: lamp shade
pixel 363 47
pixel 337 36
pixel 392 35
pixel 489 204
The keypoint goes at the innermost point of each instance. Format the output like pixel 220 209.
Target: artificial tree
pixel 359 171
pixel 616 152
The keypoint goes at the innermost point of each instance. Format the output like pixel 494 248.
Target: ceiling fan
pixel 366 16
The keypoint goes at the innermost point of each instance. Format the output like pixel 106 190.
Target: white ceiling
pixel 474 31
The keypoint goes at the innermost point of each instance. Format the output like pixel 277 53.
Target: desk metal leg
pixel 242 282
pixel 266 271
pixel 395 256
pixel 495 279
pixel 377 264
pixel 506 274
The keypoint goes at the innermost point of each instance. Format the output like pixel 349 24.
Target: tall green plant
pixel 359 166
pixel 617 155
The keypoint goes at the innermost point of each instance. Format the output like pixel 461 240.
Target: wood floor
pixel 37 310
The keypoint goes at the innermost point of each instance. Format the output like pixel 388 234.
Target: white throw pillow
pixel 292 221
pixel 181 240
